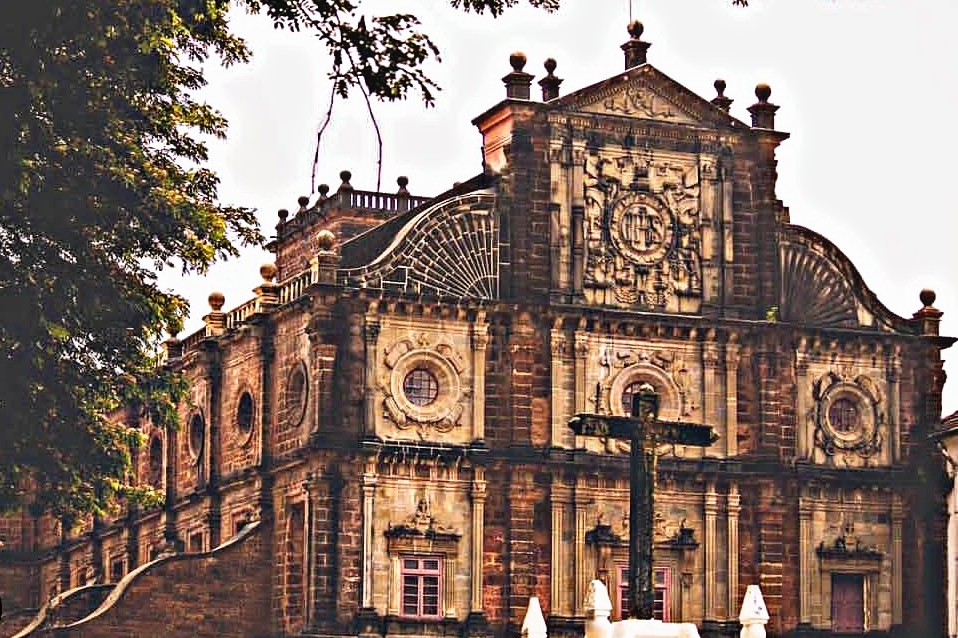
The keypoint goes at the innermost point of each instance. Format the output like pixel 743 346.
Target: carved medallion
pixel 421 386
pixel 848 419
pixel 642 228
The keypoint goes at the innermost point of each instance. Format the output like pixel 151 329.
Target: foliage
pixel 101 185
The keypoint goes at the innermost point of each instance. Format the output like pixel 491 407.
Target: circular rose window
pixel 420 387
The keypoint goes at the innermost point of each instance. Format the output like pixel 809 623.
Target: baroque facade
pixel 377 443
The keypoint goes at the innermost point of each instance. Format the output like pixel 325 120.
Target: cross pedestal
pixel 645 432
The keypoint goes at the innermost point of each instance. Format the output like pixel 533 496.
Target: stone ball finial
pixel 283 214
pixel 216 301
pixel 402 181
pixel 325 240
pixel 345 176
pixel 719 85
pixel 763 92
pixel 518 61
pixel 302 201
pixel 323 189
pixel 927 297
pixel 550 65
pixel 636 29
pixel 267 272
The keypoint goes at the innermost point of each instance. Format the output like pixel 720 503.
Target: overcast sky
pixel 868 90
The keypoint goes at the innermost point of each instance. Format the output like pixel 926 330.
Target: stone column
pixel 369 480
pixel 734 507
pixel 711 509
pixel 480 341
pixel 897 518
pixel 559 395
pixel 804 561
pixel 478 495
pixel 731 398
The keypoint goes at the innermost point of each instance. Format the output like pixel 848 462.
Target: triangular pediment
pixel 646 93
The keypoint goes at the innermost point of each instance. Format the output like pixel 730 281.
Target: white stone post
pixel 598 607
pixel 534 625
pixel 754 614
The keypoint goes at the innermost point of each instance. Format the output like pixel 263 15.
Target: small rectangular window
pixel 421 579
pixel 661 603
pixel 117 569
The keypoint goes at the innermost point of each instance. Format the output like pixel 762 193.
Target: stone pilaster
pixel 897 519
pixel 480 342
pixel 713 394
pixel 578 217
pixel 559 394
pixel 581 569
pixel 369 481
pixel 371 337
pixel 803 403
pixel 805 574
pixel 734 508
pixel 711 509
pixel 581 354
pixel 731 397
pixel 561 498
pixel 478 496
pixel 893 414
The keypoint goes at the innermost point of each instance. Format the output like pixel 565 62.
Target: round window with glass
pixel 844 415
pixel 420 387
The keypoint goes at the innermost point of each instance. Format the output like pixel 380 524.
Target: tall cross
pixel 645 432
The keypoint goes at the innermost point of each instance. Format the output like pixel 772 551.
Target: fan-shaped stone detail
pixel 448 250
pixel 814 291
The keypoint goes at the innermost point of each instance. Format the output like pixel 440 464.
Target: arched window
pixel 155 462
pixel 244 413
pixel 197 435
pixel 297 393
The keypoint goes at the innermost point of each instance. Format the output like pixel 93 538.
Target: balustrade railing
pixel 238 315
pixel 294 287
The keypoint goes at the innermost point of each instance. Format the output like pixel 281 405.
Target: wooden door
pixel 848 603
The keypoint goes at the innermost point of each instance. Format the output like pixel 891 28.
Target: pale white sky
pixel 867 88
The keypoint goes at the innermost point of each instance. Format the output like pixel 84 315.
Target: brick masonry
pixel 299 416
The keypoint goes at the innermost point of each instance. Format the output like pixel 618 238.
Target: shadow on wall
pixel 223 593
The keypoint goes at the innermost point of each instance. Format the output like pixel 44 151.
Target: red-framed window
pixel 661 604
pixel 421 578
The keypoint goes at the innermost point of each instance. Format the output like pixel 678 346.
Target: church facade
pixel 377 444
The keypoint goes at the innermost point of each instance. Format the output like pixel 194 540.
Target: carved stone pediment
pixel 641 101
pixel 647 93
pixel 422 523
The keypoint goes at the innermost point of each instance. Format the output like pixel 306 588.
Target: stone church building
pixel 377 443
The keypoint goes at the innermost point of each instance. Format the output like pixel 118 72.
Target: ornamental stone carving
pixel 848 418
pixel 421 386
pixel 642 232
